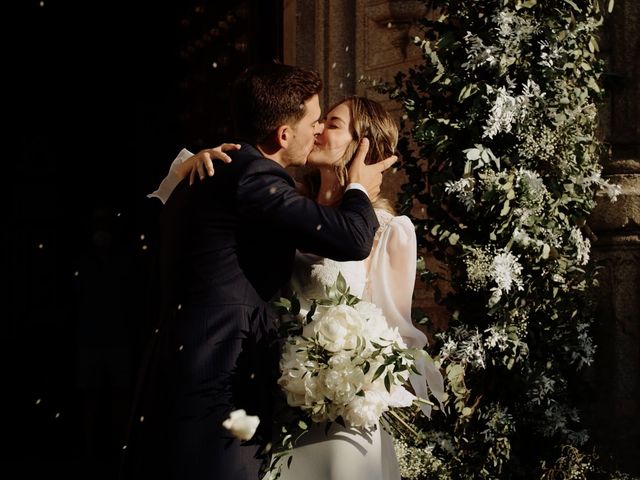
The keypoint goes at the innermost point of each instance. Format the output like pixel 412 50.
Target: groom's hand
pixel 369 176
pixel 203 160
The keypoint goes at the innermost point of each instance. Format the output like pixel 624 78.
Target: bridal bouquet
pixel 343 363
pixel 340 362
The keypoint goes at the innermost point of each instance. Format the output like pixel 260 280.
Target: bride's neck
pixel 330 191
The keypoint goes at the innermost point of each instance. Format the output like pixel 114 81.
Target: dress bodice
pixel 312 273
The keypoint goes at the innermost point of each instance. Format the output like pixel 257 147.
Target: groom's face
pixel 304 132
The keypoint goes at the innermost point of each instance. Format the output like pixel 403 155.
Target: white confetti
pixel 318 227
pixel 334 65
pixel 272 190
pixel 214 64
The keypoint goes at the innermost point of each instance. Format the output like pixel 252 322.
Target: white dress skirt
pixel 386 279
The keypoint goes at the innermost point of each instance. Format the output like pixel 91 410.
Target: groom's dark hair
pixel 268 95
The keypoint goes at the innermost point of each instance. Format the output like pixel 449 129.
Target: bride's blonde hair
pixel 368 119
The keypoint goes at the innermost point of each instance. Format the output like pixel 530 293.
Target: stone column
pixel 616 373
pixel 320 34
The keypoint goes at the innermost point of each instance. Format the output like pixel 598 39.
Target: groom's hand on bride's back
pixel 369 176
pixel 202 162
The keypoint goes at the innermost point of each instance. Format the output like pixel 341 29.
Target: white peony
pixel 364 411
pixel 337 328
pixel 342 380
pixel 377 326
pixel 241 425
pixel 297 379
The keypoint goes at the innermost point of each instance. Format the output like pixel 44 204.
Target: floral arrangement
pixel 347 365
pixel 503 158
pixel 340 362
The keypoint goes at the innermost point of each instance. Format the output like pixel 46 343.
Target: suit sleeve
pixel 266 195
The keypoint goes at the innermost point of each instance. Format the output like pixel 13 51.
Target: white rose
pixel 337 328
pixel 241 425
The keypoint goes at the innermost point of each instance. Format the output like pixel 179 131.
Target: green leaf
pixel 295 305
pixel 379 372
pixel 593 85
pixel 545 251
pixel 341 283
pixel 282 304
pixel 505 208
pixel 575 7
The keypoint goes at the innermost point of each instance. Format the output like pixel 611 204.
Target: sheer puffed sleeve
pixel 170 182
pixel 392 275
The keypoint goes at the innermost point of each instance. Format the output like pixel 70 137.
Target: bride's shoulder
pixel 389 221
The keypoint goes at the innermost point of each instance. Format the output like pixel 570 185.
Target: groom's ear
pixel 283 136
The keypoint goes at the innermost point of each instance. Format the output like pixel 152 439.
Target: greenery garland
pixel 503 167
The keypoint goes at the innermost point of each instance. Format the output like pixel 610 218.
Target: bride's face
pixel 332 143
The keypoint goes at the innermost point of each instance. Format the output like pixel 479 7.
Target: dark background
pixel 99 98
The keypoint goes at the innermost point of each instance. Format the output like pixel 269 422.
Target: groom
pixel 228 249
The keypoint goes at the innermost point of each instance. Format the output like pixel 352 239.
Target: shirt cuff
pixel 357 186
pixel 171 181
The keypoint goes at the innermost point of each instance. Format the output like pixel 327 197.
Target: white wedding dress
pixel 386 279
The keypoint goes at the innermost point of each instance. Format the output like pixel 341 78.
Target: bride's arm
pixel 392 290
pixel 392 276
pixel 173 178
pixel 186 163
pixel 203 161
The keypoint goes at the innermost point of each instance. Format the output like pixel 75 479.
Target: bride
pixel 386 278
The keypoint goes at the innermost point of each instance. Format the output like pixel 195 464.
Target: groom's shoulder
pixel 252 162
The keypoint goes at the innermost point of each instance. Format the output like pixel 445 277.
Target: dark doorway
pixel 102 96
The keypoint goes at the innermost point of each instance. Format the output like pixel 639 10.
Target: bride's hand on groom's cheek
pixel 202 161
